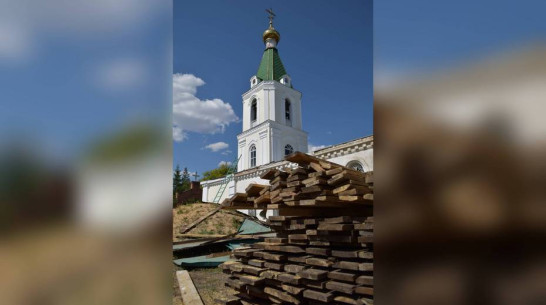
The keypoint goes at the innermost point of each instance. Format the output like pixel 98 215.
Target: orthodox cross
pixel 271 15
pixel 195 175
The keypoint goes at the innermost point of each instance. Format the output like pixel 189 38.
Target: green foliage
pixel 181 180
pixel 185 180
pixel 236 223
pixel 177 180
pixel 216 173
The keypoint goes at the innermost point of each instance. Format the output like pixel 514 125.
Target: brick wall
pixel 194 193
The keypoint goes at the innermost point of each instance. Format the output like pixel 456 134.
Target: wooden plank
pixel 335 227
pixel 347 187
pixel 347 265
pixel 189 293
pixel 289 278
pixel 364 301
pixel 341 287
pixel 293 268
pixel 365 267
pixel 318 251
pixel 281 295
pixel 342 275
pixel 352 192
pixel 320 262
pixel 364 280
pixel 254 189
pixel 324 212
pixel 344 219
pixel 269 174
pixel 364 290
pixel 313 274
pixel 292 289
pixel 318 295
pixel 251 280
pixel 345 300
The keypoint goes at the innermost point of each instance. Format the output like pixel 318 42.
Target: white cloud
pixel 224 163
pixel 193 114
pixel 311 148
pixel 226 152
pixel 178 134
pixel 217 146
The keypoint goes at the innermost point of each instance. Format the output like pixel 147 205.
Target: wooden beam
pixel 189 235
pixel 189 293
pixel 200 220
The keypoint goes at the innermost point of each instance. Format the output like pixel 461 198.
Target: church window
pixel 288 149
pixel 253 110
pixel 356 166
pixel 252 156
pixel 287 109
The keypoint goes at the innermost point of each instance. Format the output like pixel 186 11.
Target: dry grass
pixel 223 222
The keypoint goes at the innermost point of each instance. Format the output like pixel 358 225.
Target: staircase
pixel 227 179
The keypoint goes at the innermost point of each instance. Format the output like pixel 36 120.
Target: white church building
pixel 272 128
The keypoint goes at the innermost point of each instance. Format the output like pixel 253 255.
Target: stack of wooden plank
pixel 251 199
pixel 323 249
pixel 311 261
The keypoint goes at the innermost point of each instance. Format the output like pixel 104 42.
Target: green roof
pixel 271 67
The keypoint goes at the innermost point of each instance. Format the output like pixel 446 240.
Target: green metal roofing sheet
pixel 251 227
pixel 271 67
pixel 201 261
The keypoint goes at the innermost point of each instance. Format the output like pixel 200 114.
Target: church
pixel 273 128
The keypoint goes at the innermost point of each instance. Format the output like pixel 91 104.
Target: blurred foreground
pixel 460 168
pixel 85 152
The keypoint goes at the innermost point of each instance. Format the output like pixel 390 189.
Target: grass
pixel 236 223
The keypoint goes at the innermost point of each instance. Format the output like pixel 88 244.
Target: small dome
pixel 271 33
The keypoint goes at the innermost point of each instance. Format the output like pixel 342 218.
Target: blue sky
pixel 326 47
pixel 72 74
pixel 424 35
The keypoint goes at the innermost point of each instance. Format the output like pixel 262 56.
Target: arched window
pixel 287 109
pixel 252 156
pixel 253 110
pixel 288 149
pixel 356 166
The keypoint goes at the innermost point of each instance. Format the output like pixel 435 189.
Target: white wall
pixel 270 132
pixel 210 189
pixel 365 158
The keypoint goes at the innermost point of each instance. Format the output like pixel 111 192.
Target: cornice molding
pixel 346 148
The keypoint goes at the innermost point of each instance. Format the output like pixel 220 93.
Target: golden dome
pixel 271 33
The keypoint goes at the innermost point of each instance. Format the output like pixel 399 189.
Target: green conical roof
pixel 271 67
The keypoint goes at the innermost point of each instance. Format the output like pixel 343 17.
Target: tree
pixel 177 180
pixel 216 173
pixel 186 182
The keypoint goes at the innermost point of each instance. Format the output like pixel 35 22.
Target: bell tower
pixel 272 126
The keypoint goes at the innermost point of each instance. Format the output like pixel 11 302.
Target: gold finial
pixel 271 32
pixel 271 16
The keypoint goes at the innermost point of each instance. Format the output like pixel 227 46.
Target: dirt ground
pixel 223 222
pixel 209 282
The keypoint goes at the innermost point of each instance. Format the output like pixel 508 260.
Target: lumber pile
pixel 323 249
pixel 251 199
